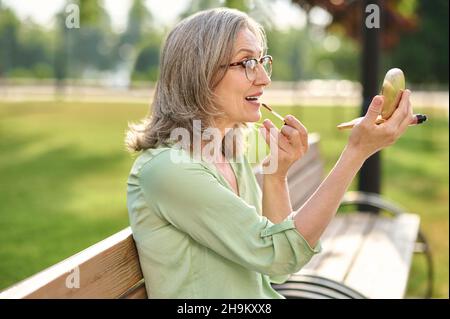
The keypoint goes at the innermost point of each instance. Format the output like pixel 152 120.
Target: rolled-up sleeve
pixel 192 199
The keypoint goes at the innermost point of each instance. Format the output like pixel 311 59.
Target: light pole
pixel 370 173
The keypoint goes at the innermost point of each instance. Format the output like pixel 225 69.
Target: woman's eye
pixel 250 63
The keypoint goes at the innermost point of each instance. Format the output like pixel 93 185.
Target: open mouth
pixel 252 98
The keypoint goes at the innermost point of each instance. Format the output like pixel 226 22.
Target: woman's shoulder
pixel 167 160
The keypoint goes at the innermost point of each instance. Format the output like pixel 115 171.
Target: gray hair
pixel 191 66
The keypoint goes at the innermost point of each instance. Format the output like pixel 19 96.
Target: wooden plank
pixel 339 226
pixel 106 270
pixel 296 170
pixel 304 185
pixel 311 156
pixel 345 247
pixel 382 267
pixel 336 226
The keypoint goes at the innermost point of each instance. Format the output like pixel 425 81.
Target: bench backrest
pixel 110 268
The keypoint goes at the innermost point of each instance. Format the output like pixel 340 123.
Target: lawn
pixel 63 171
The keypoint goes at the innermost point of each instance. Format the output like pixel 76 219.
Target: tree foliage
pixel 414 34
pixel 416 40
pixel 424 54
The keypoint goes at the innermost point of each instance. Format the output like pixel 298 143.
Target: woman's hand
pixel 367 137
pixel 291 143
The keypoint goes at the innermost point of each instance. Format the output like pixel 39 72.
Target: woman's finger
pixel 401 112
pixel 279 139
pixel 295 123
pixel 293 135
pixel 290 132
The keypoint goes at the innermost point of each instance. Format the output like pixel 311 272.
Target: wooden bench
pixel 364 255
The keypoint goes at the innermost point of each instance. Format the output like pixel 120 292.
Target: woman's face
pixel 234 88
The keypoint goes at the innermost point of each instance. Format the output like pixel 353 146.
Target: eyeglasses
pixel 250 66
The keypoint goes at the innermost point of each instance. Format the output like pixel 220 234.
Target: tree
pixel 9 28
pixel 88 48
pixel 241 5
pixel 146 67
pixel 199 5
pixel 140 43
pixel 139 22
pixel 91 46
pixel 413 50
pixel 34 56
pixel 398 17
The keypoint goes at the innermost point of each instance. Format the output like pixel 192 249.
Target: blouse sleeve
pixel 192 199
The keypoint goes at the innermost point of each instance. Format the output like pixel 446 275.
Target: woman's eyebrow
pixel 249 51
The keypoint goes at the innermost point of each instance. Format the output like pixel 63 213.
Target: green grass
pixel 63 171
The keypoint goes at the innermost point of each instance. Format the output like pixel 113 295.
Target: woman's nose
pixel 261 76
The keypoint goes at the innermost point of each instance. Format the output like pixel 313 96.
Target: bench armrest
pixel 371 199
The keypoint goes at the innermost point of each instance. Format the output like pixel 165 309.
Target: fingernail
pixel 377 101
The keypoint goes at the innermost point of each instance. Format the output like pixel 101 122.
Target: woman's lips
pixel 254 103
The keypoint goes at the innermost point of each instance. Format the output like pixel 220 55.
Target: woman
pixel 202 226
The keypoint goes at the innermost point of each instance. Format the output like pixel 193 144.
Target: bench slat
pixel 311 156
pixel 301 187
pixel 298 168
pixel 330 233
pixel 343 247
pixel 382 267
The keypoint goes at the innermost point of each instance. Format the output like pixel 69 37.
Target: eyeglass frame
pixel 258 61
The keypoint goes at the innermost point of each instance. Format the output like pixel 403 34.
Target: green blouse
pixel 197 239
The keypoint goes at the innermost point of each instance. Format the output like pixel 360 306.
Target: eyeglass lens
pixel 251 68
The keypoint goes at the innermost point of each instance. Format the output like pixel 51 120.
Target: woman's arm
pixel 366 139
pixel 276 205
pixel 292 143
pixel 316 213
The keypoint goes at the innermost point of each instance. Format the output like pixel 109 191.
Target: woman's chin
pixel 255 117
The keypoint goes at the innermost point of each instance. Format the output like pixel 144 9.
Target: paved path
pixel 312 93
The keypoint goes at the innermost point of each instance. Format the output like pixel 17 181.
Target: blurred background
pixel 68 93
